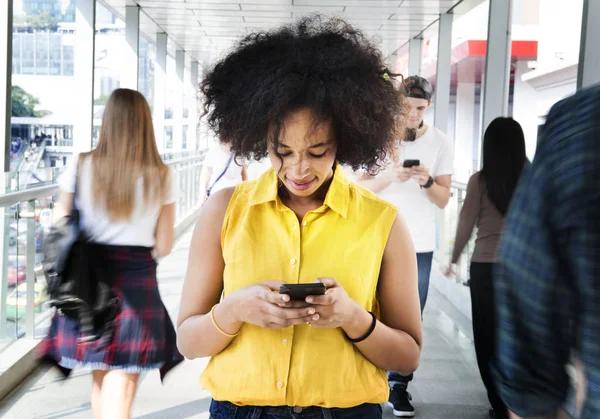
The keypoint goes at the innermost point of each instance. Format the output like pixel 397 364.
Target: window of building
pixel 55 54
pixel 28 54
pixel 42 53
pixel 169 137
pixel 16 53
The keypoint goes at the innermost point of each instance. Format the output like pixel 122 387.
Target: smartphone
pixel 301 291
pixel 411 163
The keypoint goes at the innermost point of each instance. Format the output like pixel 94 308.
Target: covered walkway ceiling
pixel 206 28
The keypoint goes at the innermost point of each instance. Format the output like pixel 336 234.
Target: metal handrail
pixel 459 185
pixel 13 198
pixel 169 157
pixel 184 160
pixel 187 211
pixel 462 273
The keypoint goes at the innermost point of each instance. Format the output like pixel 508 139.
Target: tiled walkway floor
pixel 447 384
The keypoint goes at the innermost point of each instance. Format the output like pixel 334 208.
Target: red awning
pixel 473 52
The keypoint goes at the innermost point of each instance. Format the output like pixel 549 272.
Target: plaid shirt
pixel 548 274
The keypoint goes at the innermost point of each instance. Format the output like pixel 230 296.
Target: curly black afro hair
pixel 325 65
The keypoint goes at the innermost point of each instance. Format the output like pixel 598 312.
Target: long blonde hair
pixel 126 153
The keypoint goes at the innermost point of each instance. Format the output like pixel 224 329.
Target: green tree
pixel 42 21
pixel 24 104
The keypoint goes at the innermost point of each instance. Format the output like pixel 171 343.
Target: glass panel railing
pixel 25 226
pixel 26 214
pixel 20 181
pixel 447 223
pixel 13 269
pixel 187 172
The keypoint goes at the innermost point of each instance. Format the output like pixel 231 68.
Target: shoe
pixel 494 414
pixel 400 402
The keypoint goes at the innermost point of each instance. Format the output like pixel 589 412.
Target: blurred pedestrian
pixel 417 180
pixel 126 199
pixel 219 170
pixel 547 281
pixel 489 192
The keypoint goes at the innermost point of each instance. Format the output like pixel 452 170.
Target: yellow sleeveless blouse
pixel 262 240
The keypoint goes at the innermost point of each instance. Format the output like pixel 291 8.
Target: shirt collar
pixel 337 198
pixel 338 195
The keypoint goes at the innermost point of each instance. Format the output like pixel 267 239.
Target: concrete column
pixel 6 28
pixel 464 128
pixel 497 62
pixel 524 109
pixel 415 56
pixel 193 115
pixel 130 68
pixel 441 112
pixel 589 52
pixel 85 46
pixel 160 90
pixel 444 72
pixel 178 101
pixel 478 136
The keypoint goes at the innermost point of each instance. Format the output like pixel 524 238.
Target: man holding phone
pixel 417 181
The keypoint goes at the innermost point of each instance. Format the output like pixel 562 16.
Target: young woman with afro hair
pixel 313 97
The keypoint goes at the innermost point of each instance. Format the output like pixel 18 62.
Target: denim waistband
pixel 223 410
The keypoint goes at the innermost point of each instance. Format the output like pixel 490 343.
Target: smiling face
pixel 307 154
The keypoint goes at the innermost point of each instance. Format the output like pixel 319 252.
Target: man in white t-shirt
pixel 219 170
pixel 417 181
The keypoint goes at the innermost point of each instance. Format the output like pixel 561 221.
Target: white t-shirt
pixel 138 231
pixel 435 151
pixel 220 161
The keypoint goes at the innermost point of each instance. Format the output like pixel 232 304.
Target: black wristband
pixel 429 183
pixel 366 335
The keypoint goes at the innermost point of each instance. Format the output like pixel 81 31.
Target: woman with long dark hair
pixel 488 197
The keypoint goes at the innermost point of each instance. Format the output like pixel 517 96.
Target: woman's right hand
pixel 259 304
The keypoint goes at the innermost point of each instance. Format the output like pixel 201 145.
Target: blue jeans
pixel 226 410
pixel 424 262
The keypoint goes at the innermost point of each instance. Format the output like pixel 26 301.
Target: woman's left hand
pixel 335 308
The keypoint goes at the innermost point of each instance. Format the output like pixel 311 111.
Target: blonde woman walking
pixel 126 199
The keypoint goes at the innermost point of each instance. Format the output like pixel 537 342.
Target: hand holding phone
pixel 336 308
pixel 299 292
pixel 261 305
pixel 411 163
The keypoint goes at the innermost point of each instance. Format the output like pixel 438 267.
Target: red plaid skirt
pixel 144 337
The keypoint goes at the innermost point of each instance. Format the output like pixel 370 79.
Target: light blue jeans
pixel 424 262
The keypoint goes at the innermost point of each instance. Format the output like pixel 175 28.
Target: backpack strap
pixel 220 176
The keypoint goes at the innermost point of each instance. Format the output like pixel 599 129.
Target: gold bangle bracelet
pixel 224 333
